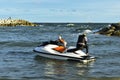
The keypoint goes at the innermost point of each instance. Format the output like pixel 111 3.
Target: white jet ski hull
pixel 48 52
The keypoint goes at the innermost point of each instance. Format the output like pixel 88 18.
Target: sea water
pixel 18 61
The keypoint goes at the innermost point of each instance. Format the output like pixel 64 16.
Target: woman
pixel 62 45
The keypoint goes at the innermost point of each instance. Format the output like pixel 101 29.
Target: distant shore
pixel 15 22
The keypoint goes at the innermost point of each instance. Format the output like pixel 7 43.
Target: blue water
pixel 18 61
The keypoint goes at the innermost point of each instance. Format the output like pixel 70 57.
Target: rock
pixel 117 26
pixel 117 33
pixel 112 30
pixel 15 22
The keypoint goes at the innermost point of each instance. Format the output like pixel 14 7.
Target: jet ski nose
pixel 34 50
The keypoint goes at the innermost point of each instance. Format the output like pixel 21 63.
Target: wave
pixel 87 31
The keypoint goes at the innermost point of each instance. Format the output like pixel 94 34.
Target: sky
pixel 101 11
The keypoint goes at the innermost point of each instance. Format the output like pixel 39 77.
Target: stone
pixel 112 30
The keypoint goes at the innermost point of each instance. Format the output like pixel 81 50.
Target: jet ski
pixel 47 49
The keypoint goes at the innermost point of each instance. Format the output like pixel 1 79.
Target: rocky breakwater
pixel 111 30
pixel 15 22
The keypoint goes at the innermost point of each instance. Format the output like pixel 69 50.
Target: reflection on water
pixel 57 69
pixel 83 69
